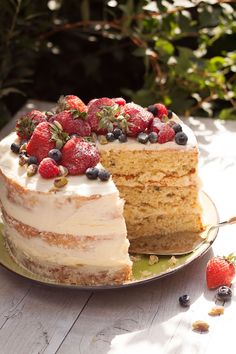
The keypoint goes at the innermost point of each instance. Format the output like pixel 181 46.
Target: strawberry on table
pixel 48 168
pixel 26 124
pixel 46 137
pixel 220 271
pixel 78 155
pixel 138 118
pixel 72 121
pixel 70 102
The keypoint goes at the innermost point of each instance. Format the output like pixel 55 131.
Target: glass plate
pixel 142 271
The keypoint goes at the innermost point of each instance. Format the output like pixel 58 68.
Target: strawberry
pixel 48 168
pixel 220 271
pixel 70 102
pixel 119 100
pixel 96 109
pixel 161 110
pixel 78 155
pixel 46 137
pixel 138 118
pixel 166 133
pixel 26 124
pixel 72 122
pixel 156 125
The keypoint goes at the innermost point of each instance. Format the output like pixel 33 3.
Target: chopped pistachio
pixel 23 160
pixel 103 140
pixel 63 171
pixel 32 170
pixel 60 182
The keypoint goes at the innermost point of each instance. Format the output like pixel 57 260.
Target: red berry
pixel 26 124
pixel 48 168
pixel 165 134
pixel 161 110
pixel 72 122
pixel 78 155
pixel 94 108
pixel 119 100
pixel 220 271
pixel 71 102
pixel 138 118
pixel 156 125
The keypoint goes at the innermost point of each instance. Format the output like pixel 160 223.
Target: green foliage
pixel 179 52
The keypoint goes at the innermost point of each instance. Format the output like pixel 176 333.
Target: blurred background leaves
pixel 178 52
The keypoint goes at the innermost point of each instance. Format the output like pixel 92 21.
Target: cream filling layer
pixel 108 253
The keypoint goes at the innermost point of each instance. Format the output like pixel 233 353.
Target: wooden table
pixel 145 319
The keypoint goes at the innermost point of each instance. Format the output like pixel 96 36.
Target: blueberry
pixel 122 138
pixel 15 148
pixel 117 132
pixel 224 293
pixel 184 300
pixel 181 138
pixel 142 138
pixel 92 172
pixel 153 109
pixel 170 114
pixel 110 137
pixel 177 128
pixel 32 160
pixel 103 175
pixel 55 154
pixel 152 137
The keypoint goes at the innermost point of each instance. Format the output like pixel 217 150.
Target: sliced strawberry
pixel 220 271
pixel 166 134
pixel 78 155
pixel 26 124
pixel 48 168
pixel 71 102
pixel 72 122
pixel 138 118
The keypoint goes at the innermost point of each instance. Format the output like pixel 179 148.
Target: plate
pixel 143 272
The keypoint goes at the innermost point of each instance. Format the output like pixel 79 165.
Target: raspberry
pixel 161 110
pixel 166 134
pixel 48 168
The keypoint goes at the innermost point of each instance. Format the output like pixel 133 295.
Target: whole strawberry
pixel 220 271
pixel 99 108
pixel 48 168
pixel 46 137
pixel 78 155
pixel 165 134
pixel 26 124
pixel 70 102
pixel 72 122
pixel 119 100
pixel 138 118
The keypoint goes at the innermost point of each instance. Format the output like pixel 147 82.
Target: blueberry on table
pixel 184 300
pixel 224 293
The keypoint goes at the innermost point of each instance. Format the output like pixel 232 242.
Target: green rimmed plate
pixel 142 271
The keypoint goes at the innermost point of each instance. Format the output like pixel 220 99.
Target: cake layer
pixel 67 250
pixel 164 224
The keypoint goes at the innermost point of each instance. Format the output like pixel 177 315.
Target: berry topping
pixel 23 159
pixel 170 114
pixel 142 138
pixel 117 132
pixel 152 109
pixel 166 134
pixel 100 111
pixel 48 168
pixel 27 123
pixel 55 154
pixel 110 137
pixel 63 171
pixel 156 125
pixel 119 100
pixel 32 160
pixel 224 293
pixel 103 175
pixel 177 128
pixel 70 102
pixel 220 271
pixel 153 137
pixel 138 118
pixel 46 137
pixel 161 110
pixel 184 300
pixel 78 155
pixel 32 170
pixel 181 138
pixel 15 148
pixel 122 138
pixel 92 172
pixel 73 122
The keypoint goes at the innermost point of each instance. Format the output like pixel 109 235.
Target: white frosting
pixel 113 252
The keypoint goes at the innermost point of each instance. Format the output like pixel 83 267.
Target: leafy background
pixel 178 52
